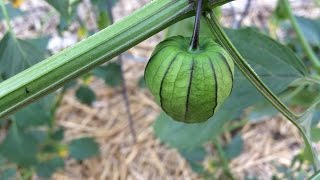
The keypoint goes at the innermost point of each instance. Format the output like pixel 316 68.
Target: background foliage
pixel 35 144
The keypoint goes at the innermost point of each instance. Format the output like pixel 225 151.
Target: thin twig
pixel 123 84
pixel 126 101
pixel 244 14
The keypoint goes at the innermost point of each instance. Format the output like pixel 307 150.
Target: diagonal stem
pixel 6 15
pixel 251 75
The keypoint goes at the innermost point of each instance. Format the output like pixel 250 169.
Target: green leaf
pixel 83 148
pixel 142 82
pixel 259 111
pixel 111 73
pixel 102 5
pixel 41 136
pixel 277 66
pixel 103 20
pixel 195 158
pixel 16 55
pixel 310 28
pixel 234 148
pixel 19 147
pixel 58 134
pixel 315 134
pixel 85 95
pixel 189 136
pixel 37 114
pixel 41 43
pixel 263 53
pixel 62 6
pixel 8 174
pixel 185 28
pixel 47 168
pixel 12 12
pixel 280 13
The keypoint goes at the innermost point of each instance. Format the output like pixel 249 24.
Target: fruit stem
pixel 194 44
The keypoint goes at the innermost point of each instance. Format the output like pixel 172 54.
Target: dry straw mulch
pixel 271 142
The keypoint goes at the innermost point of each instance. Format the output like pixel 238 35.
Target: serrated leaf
pixel 19 147
pixel 36 114
pixel 83 148
pixel 17 55
pixel 12 12
pixel 111 73
pixel 47 168
pixel 85 95
pixel 234 148
pixel 277 66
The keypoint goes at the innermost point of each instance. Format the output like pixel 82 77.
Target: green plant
pixel 260 63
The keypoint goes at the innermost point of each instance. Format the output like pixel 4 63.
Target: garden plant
pixel 203 78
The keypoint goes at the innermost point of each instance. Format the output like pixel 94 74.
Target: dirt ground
pixel 266 143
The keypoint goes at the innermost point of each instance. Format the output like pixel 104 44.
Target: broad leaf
pixel 234 148
pixel 310 29
pixel 58 134
pixel 8 174
pixel 37 114
pixel 62 6
pixel 85 95
pixel 195 158
pixel 17 55
pixel 83 148
pixel 12 12
pixel 277 66
pixel 19 147
pixel 47 168
pixel 103 5
pixel 111 73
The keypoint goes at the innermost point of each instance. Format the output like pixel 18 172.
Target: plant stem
pixel 225 163
pixel 6 15
pixel 252 76
pixel 52 73
pixel 194 44
pixel 124 91
pixel 307 48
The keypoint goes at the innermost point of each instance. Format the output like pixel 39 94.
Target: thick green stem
pixel 251 75
pixel 55 71
pixel 6 15
pixel 307 48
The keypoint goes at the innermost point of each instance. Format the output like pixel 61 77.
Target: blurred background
pixel 105 125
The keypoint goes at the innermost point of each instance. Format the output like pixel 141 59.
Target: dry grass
pixel 271 142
